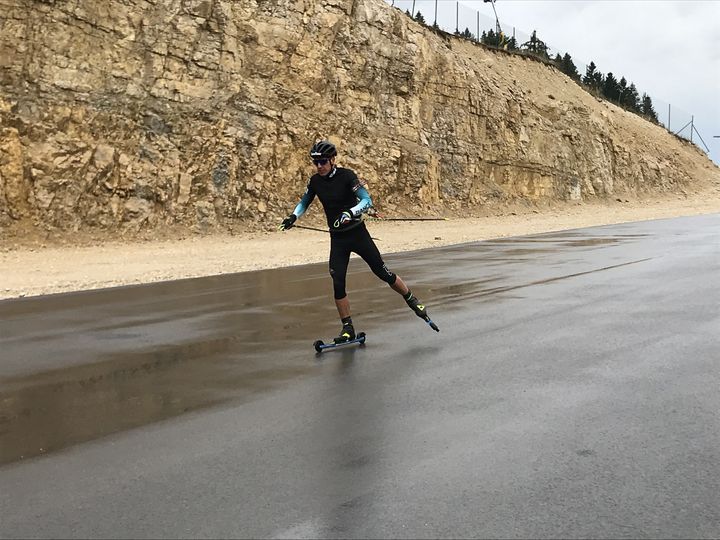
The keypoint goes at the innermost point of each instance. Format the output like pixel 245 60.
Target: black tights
pixel 358 241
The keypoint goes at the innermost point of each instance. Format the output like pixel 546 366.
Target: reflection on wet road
pixel 124 357
pixel 79 367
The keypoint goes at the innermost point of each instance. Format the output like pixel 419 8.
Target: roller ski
pixel 419 309
pixel 347 337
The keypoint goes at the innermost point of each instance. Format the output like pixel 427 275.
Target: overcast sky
pixel 670 49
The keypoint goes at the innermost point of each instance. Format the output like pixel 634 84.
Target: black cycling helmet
pixel 323 149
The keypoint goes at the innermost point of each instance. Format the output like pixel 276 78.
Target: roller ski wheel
pixel 321 346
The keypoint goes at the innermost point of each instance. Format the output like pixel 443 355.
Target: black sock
pixel 408 296
pixel 346 321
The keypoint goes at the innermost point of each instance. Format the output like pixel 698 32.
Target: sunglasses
pixel 320 162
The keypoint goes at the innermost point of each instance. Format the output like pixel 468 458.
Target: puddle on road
pixel 56 409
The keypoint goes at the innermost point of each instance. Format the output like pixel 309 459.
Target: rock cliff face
pixel 130 114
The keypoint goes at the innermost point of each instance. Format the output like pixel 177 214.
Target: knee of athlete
pixel 338 286
pixel 386 275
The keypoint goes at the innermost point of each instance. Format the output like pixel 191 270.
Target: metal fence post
pixel 692 126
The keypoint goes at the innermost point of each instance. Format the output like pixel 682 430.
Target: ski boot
pixel 346 334
pixel 419 309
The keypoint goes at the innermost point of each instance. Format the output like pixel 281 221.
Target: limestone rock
pixel 127 116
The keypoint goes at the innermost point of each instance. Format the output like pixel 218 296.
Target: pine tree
pixel 593 78
pixel 646 108
pixel 622 88
pixel 631 99
pixel 490 38
pixel 589 74
pixel 419 17
pixel 536 46
pixel 610 88
pixel 625 98
pixel 467 34
pixel 598 80
pixel 569 68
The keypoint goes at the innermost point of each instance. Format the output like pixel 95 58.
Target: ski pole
pixel 323 230
pixel 378 218
pixel 309 228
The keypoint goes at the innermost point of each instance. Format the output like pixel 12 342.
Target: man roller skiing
pixel 345 199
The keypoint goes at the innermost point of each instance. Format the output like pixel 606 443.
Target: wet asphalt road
pixel 573 392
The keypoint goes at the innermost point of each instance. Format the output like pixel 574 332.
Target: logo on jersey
pixel 360 184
